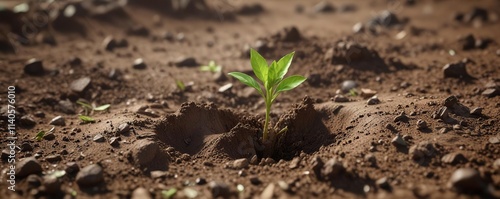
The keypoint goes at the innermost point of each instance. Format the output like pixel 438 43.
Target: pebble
pixel 332 168
pixel 80 85
pixel 219 189
pixel 358 28
pixel 324 7
pixel 114 141
pixel 254 160
pixel 139 64
pixel 401 117
pixel 72 167
pixel 34 181
pixel 494 140
pixel 123 128
pixel 110 43
pixel 51 184
pixel 53 158
pixel 291 34
pixel 99 138
pixel 26 146
pixel 144 151
pixel 75 61
pixel 348 85
pixel 27 121
pixel 226 88
pixel 468 42
pixel 57 121
pixel 454 158
pixel 66 106
pixel 398 141
pixel 340 98
pixel 450 101
pixel 443 113
pixel 383 183
pixel 255 180
pixel 421 124
pixel 478 111
pixel 90 175
pixel 295 163
pixel 491 92
pixel 317 166
pixel 367 93
pixel 34 67
pixel 28 166
pixel 200 181
pixel 422 150
pixel 240 163
pixel 455 70
pixel 268 192
pixel 373 101
pixel 49 136
pixel 186 61
pixel 284 186
pixel 467 180
pixel 141 193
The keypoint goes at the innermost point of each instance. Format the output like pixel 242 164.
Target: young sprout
pixel 89 109
pixel 180 85
pixel 271 79
pixel 86 119
pixel 39 135
pixel 212 67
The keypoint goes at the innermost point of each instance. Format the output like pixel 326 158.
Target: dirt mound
pixel 204 130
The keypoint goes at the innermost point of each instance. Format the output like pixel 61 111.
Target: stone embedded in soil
pixel 90 175
pixel 398 141
pixel 332 168
pixel 454 158
pixel 348 85
pixel 144 151
pixel 367 93
pixel 53 158
pixel 27 121
pixel 66 106
pixel 51 184
pixel 491 92
pixel 240 163
pixel 219 189
pixel 373 101
pixel 324 7
pixel 358 27
pixel 421 124
pixel 99 138
pixel 442 113
pixel 401 117
pixel 123 128
pixel 478 111
pixel 468 42
pixel 28 166
pixel 141 193
pixel 383 183
pixel 295 163
pixel 72 167
pixel 49 136
pixel 254 160
pixel 114 141
pixel 467 180
pixel 455 70
pixel 317 166
pixel 268 192
pixel 200 181
pixel 226 88
pixel 34 181
pixel 110 43
pixel 186 61
pixel 385 19
pixel 80 85
pixel 26 146
pixel 422 151
pixel 255 180
pixel 139 64
pixel 57 121
pixel 340 98
pixel 450 101
pixel 494 140
pixel 34 67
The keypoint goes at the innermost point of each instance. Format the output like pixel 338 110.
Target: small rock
pixel 269 161
pixel 53 158
pixel 226 88
pixel 268 192
pixel 240 163
pixel 494 140
pixel 324 7
pixel 332 168
pixel 144 151
pixel 109 43
pixel 75 61
pixel 467 180
pixel 454 158
pixel 219 189
pixel 57 121
pixel 455 70
pixel 255 180
pixel 348 85
pixel 141 193
pixel 66 106
pixel 291 34
pixel 72 167
pixel 27 121
pixel 254 160
pixel 34 181
pixel 478 111
pixel 295 163
pixel 200 181
pixel 28 166
pixel 383 183
pixel 477 14
pixel 358 27
pixel 401 117
pixel 373 100
pixel 443 114
pixel 114 141
pixel 26 146
pixel 123 128
pixel 421 124
pixel 398 141
pixel 468 42
pixel 317 166
pixel 367 93
pixel 99 138
pixel 340 98
pixel 491 92
pixel 80 85
pixel 385 19
pixel 90 175
pixel 139 64
pixel 51 184
pixel 34 67
pixel 450 101
pixel 284 186
pixel 49 136
pixel 186 61
pixel 422 151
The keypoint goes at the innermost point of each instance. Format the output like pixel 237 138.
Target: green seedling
pixel 271 79
pixel 89 109
pixel 86 119
pixel 169 194
pixel 353 92
pixel 211 67
pixel 180 85
pixel 39 135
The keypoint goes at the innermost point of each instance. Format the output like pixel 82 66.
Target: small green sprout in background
pixel 39 135
pixel 211 67
pixel 168 194
pixel 353 92
pixel 180 85
pixel 271 78
pixel 89 110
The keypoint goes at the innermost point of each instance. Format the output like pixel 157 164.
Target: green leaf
pixel 272 75
pixel 283 65
pixel 102 107
pixel 290 83
pixel 85 118
pixel 168 194
pixel 39 135
pixel 180 85
pixel 247 80
pixel 85 105
pixel 259 65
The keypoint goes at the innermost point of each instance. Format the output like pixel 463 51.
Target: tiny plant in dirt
pixel 211 67
pixel 89 110
pixel 272 82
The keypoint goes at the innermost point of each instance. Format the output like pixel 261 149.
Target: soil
pixel 421 120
